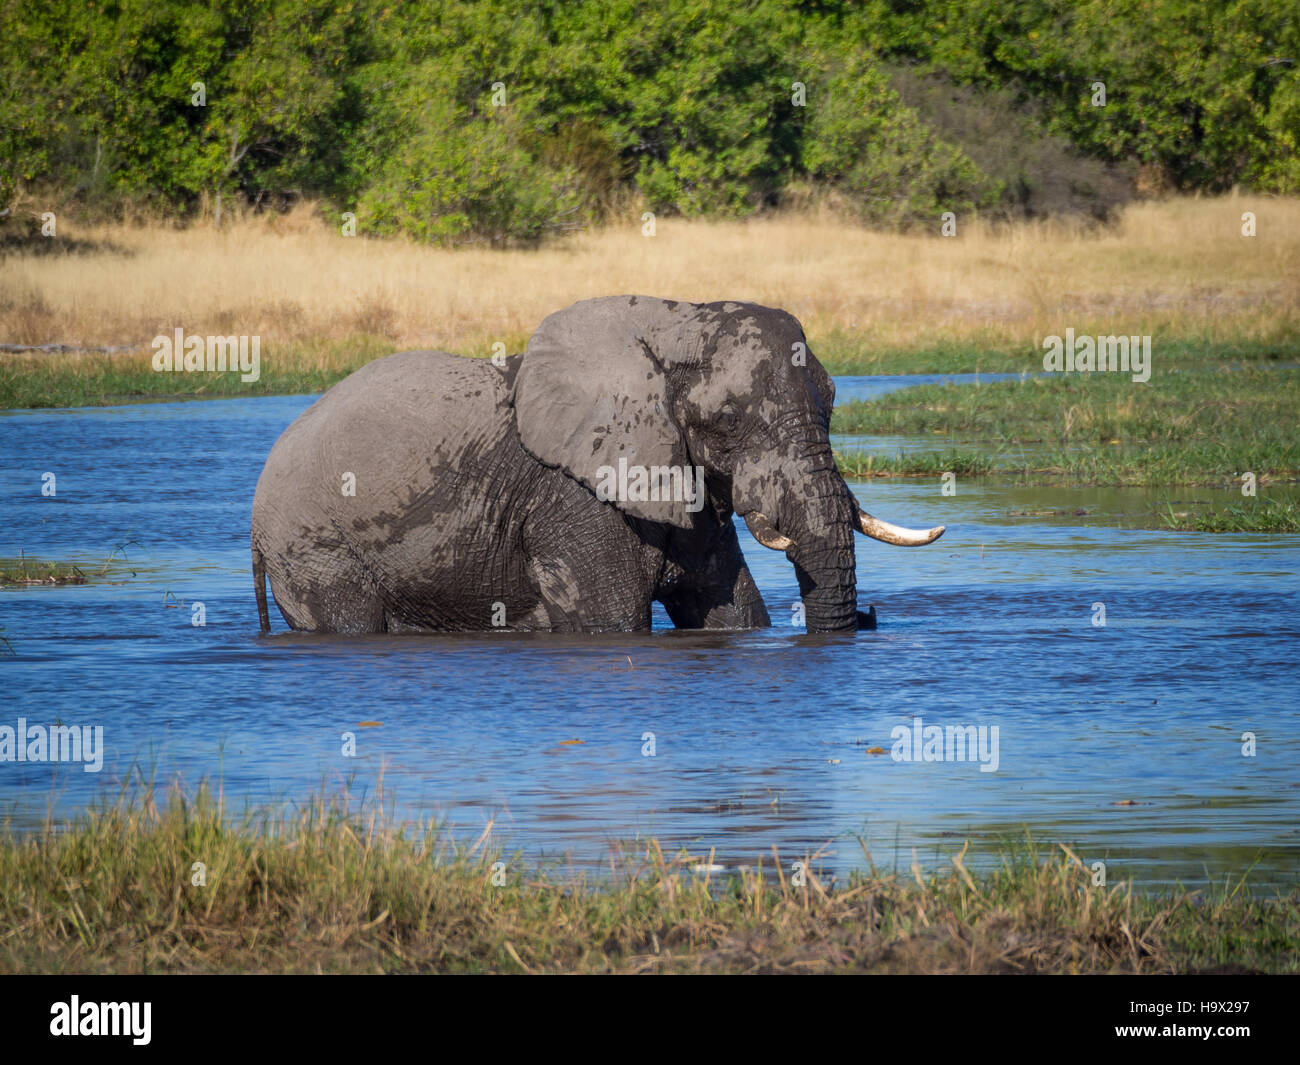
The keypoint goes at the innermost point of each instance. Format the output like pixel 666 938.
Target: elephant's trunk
pixel 822 522
pixel 826 572
pixel 805 509
pixel 826 568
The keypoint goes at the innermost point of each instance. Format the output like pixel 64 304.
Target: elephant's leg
pixel 323 587
pixel 599 581
pixel 719 593
pixel 333 598
pixel 592 572
pixel 575 602
pixel 748 608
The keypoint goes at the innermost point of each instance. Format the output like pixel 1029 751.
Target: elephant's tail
pixel 259 586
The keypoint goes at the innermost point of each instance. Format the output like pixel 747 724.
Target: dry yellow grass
pixel 1178 267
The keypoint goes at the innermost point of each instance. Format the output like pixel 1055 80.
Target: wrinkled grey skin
pixel 476 485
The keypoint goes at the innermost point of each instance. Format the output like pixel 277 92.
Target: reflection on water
pixel 760 739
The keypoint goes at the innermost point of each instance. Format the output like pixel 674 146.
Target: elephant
pixel 569 488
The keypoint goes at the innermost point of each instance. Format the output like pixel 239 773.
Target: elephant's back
pixel 383 429
pixel 413 387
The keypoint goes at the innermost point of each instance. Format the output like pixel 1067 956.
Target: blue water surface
pixel 760 740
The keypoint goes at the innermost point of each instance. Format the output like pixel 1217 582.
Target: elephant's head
pixel 727 387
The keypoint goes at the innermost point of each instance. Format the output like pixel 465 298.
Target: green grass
pixel 91 379
pixel 1206 426
pixel 23 570
pixel 308 366
pixel 854 353
pixel 324 890
pixel 857 463
pixel 1254 515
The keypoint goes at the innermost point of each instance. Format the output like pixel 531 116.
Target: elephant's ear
pixel 591 391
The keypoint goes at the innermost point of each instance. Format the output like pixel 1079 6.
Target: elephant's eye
pixel 730 417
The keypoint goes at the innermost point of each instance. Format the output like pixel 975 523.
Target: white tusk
pixel 765 533
pixel 896 534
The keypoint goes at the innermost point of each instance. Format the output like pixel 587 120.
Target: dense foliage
pixel 493 119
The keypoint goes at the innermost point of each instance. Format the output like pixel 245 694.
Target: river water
pixel 1123 740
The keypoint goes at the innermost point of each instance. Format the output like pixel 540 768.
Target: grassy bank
pixel 1188 427
pixel 870 301
pixel 294 367
pixel 116 891
pixel 92 379
pixel 846 354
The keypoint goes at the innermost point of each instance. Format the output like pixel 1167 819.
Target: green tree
pixel 863 141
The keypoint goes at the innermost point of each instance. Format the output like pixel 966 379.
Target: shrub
pixel 1040 172
pixel 864 142
pixel 461 176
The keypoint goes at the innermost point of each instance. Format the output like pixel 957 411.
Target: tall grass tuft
pixel 328 887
